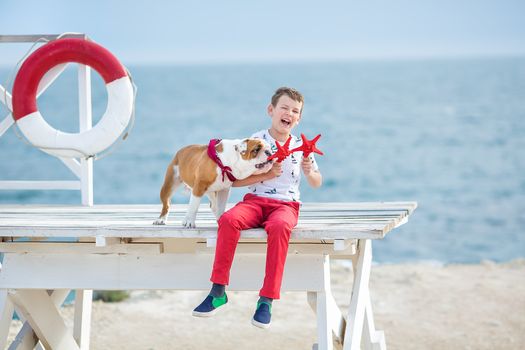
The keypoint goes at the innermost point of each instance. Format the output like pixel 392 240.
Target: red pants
pixel 278 219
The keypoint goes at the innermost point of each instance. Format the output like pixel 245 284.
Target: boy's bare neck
pixel 278 136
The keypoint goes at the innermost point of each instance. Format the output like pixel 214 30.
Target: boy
pixel 273 203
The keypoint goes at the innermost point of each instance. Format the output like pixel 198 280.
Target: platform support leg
pixel 360 318
pixel 82 330
pixel 6 316
pixel 38 308
pixel 26 338
pixel 320 303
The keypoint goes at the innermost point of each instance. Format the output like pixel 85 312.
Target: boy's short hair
pixel 290 92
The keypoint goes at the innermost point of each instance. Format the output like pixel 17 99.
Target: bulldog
pixel 211 169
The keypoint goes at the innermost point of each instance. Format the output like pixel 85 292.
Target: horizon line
pixel 334 60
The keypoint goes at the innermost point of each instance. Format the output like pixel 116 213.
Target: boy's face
pixel 285 114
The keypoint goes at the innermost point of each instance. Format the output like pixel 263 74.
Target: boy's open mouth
pixel 286 122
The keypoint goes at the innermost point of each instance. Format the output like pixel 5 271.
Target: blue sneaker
pixel 209 306
pixel 263 315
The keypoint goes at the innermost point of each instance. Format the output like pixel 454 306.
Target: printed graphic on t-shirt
pixel 286 186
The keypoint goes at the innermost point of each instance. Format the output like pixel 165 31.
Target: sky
pixel 229 31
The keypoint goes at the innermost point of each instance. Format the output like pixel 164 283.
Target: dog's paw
pixel 187 223
pixel 160 221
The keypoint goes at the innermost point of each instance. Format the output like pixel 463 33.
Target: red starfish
pixel 308 146
pixel 282 151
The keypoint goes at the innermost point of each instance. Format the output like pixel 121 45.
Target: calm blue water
pixel 448 134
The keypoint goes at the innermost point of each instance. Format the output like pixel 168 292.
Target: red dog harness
pixel 212 153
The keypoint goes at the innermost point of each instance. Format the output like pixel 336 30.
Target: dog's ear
pixel 242 146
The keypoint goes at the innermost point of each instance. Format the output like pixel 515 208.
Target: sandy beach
pixel 419 306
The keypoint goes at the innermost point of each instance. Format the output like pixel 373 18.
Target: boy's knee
pixel 279 226
pixel 228 220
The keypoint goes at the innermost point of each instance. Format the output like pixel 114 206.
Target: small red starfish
pixel 308 146
pixel 282 151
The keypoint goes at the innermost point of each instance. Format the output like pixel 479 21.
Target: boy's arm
pixel 275 171
pixel 314 177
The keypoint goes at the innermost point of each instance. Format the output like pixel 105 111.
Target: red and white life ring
pixel 62 144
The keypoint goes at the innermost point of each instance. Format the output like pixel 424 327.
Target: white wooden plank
pixel 125 225
pixel 165 271
pixel 80 248
pixel 201 217
pixel 202 208
pixel 362 215
pixel 39 185
pixel 147 221
pixel 294 248
pixel 346 206
pixel 148 218
pixel 209 232
pixel 32 38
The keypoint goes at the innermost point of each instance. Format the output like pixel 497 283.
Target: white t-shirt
pixel 286 186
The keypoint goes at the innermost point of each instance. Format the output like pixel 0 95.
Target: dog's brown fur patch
pixel 199 172
pixel 253 147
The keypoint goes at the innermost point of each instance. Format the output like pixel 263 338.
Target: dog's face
pixel 256 152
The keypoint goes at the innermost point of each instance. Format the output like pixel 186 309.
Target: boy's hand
pixel 306 165
pixel 276 170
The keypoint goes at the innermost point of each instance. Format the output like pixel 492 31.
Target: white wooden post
pixel 324 327
pixel 86 122
pixel 356 312
pixel 82 330
pixel 7 122
pixel 360 306
pixel 6 316
pixel 83 299
pixel 373 339
pixel 324 306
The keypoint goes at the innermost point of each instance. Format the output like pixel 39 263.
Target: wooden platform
pixel 49 250
pixel 326 221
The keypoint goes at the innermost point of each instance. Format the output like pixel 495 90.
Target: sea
pixel 447 133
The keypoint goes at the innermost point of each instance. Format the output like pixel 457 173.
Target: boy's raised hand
pixel 306 165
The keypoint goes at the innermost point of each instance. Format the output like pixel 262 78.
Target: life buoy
pixel 62 144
